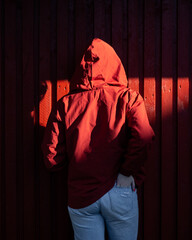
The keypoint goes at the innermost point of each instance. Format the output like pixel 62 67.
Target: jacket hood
pixel 99 66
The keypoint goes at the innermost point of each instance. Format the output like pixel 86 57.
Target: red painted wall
pixel 40 44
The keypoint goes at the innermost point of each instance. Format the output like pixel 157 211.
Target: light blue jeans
pixel 117 210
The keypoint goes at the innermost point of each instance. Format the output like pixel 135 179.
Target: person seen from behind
pixel 100 132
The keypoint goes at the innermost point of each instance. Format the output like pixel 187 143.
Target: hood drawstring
pixel 88 68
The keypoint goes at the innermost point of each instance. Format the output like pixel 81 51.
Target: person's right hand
pixel 125 181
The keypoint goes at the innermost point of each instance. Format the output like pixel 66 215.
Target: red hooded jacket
pixel 99 129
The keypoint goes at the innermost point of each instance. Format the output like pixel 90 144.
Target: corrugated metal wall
pixel 40 43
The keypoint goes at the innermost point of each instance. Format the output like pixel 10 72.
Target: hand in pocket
pixel 124 181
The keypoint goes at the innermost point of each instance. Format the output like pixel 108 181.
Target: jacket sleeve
pixel 54 144
pixel 139 138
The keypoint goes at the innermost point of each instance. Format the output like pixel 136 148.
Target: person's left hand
pixel 124 181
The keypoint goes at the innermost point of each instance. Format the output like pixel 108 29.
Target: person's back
pixel 96 120
pixel 100 128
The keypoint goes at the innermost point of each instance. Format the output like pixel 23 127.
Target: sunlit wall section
pixel 62 88
pixel 150 98
pixel 45 104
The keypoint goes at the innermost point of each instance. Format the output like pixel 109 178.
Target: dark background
pixel 40 42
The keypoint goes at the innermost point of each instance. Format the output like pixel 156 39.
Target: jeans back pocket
pixel 121 199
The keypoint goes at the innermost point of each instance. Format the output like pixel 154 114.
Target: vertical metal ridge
pixel 125 35
pixel 183 122
pixel 141 44
pixel 2 127
pixel 190 85
pixel 53 50
pixel 175 80
pixel 19 124
pixel 89 20
pixel 71 38
pixel 128 41
pixel 108 21
pixel 141 50
pixel 190 63
pixel 158 80
pixel 36 62
pixel 93 15
pixel 53 78
pixel 10 119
